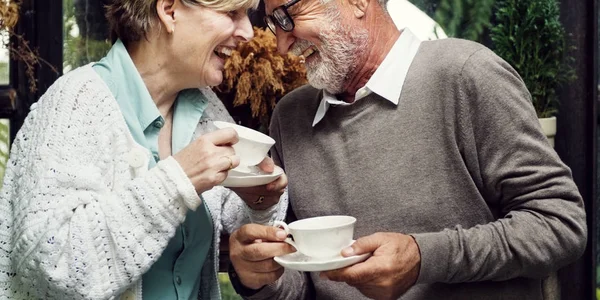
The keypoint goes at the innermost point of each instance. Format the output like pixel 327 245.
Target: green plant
pixel 4 148
pixel 3 73
pixel 227 291
pixel 82 45
pixel 529 36
pixel 467 19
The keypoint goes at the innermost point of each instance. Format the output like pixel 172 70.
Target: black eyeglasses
pixel 281 17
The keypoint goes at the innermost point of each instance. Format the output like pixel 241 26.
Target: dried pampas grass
pixel 257 76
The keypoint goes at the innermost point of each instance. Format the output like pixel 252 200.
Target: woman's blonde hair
pixel 131 20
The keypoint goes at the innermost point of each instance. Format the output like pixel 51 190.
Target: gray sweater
pixel 460 163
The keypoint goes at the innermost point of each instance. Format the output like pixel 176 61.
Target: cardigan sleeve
pixel 541 225
pixel 234 212
pixel 81 225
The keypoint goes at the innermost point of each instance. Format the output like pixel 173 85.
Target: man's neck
pixel 382 41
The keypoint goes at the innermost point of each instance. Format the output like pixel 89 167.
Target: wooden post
pixel 576 135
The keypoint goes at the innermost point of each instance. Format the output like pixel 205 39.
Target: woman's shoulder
pixel 81 81
pixel 76 107
pixel 80 91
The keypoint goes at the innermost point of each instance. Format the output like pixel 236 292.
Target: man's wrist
pixel 237 284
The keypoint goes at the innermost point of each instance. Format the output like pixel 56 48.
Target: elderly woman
pixel 101 195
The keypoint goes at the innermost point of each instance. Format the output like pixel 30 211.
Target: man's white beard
pixel 338 55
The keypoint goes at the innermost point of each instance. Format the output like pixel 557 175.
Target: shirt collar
pixel 124 81
pixel 388 79
pixel 126 84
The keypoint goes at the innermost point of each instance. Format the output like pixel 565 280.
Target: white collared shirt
pixel 388 79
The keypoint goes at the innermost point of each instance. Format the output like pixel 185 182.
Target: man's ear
pixel 359 7
pixel 166 14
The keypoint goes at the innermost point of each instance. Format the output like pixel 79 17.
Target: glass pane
pixel 4 61
pixel 86 33
pixel 4 146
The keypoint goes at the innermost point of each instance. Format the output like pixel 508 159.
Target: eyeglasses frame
pixel 283 7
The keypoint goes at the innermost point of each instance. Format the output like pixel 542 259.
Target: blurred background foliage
pixel 467 19
pixel 85 32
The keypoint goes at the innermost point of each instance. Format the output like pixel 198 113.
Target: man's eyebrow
pixel 294 9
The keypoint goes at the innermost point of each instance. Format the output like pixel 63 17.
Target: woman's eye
pixel 233 13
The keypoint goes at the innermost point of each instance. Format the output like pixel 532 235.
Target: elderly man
pixel 433 146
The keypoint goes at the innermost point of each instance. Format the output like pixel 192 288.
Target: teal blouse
pixel 176 274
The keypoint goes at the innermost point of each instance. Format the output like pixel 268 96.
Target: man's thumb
pixel 363 245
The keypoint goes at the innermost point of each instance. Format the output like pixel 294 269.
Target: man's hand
pixel 389 273
pixel 251 250
pixel 264 196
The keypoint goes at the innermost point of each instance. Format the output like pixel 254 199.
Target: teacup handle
pixel 285 227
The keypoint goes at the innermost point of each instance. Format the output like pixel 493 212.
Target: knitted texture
pixel 79 219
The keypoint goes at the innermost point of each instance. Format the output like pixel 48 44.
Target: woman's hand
pixel 264 196
pixel 207 159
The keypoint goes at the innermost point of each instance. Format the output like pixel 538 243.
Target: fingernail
pixel 348 251
pixel 281 234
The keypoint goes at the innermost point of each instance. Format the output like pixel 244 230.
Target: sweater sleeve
pixel 82 228
pixel 236 213
pixel 541 225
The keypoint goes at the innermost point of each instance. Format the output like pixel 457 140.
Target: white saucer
pixel 238 179
pixel 301 262
pixel 245 170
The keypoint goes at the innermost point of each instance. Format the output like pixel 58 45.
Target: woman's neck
pixel 156 74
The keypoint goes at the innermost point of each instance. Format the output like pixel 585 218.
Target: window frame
pixel 40 23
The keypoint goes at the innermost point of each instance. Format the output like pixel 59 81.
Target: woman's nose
pixel 244 31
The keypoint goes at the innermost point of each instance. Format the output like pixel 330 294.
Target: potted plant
pixel 256 76
pixel 529 36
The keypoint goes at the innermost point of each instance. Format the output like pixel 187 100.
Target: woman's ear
pixel 166 14
pixel 359 7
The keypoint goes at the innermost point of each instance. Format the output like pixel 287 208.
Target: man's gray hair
pixel 383 3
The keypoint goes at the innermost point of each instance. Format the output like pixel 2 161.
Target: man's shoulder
pixel 303 93
pixel 451 51
pixel 446 57
pixel 298 107
pixel 303 97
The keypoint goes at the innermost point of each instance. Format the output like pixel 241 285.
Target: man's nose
pixel 284 40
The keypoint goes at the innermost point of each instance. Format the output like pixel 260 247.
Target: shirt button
pixel 178 280
pixel 156 157
pixel 159 123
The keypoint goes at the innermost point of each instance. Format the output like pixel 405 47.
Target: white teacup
pixel 253 146
pixel 320 237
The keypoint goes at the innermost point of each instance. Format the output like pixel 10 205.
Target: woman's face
pixel 203 38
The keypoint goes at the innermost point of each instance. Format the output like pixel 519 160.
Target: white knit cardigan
pixel 82 217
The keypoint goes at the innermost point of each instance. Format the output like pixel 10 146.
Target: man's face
pixel 332 45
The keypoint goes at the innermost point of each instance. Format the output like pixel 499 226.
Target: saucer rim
pixel 319 264
pixel 277 172
pixel 247 180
